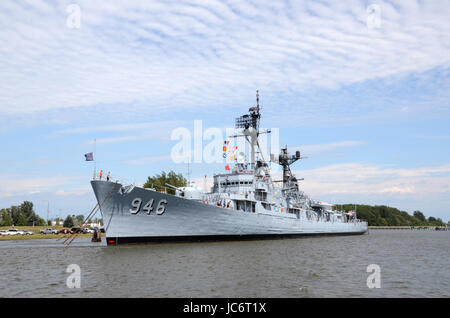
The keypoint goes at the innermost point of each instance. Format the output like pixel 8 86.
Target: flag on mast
pixel 89 156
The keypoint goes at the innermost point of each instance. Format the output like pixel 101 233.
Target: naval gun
pixel 189 192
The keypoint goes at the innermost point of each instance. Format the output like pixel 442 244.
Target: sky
pixel 361 88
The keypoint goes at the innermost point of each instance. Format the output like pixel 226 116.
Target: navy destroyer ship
pixel 245 203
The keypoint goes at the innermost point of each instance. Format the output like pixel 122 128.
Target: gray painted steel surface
pixel 183 217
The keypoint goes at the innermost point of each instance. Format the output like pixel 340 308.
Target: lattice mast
pixel 250 124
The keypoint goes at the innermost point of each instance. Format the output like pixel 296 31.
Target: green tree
pixel 68 222
pixel 27 209
pixel 388 216
pixel 79 219
pixel 159 181
pixel 15 213
pixel 419 215
pixel 29 214
pixel 41 221
pixel 5 218
pixel 34 219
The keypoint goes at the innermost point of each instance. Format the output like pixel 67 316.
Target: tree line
pixel 20 215
pixel 381 215
pixel 24 215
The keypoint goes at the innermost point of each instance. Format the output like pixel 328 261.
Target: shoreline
pixel 37 235
pixel 409 227
pixel 42 236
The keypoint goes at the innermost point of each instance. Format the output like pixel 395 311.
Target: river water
pixel 412 264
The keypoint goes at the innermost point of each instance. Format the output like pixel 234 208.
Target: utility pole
pixel 48 211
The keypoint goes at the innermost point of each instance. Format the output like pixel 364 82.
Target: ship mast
pixel 285 160
pixel 250 124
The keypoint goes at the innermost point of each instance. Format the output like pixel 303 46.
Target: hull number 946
pixel 136 206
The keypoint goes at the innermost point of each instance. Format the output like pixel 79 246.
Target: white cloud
pixel 179 54
pixel 140 131
pixel 17 185
pixel 376 181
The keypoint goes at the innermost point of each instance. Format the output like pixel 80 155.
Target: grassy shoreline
pixel 36 234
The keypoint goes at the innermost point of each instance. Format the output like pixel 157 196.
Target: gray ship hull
pixel 171 218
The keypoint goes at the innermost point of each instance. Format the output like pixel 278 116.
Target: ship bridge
pixel 233 182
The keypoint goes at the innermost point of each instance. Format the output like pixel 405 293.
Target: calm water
pixel 413 264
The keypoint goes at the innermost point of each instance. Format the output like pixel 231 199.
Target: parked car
pixel 15 232
pixel 82 230
pixel 65 231
pixel 49 231
pixel 3 232
pixel 76 230
pixel 25 232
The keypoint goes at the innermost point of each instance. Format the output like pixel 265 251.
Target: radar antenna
pixel 285 160
pixel 250 125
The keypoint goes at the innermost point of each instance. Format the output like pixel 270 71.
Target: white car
pixel 15 232
pixel 49 231
pixel 3 232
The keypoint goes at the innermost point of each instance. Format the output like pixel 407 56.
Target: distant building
pixel 57 222
pixel 94 225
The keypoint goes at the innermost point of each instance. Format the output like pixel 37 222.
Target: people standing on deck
pixel 101 174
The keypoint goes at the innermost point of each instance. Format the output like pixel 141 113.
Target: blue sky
pixel 368 106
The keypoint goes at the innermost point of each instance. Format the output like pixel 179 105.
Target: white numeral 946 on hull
pixel 136 206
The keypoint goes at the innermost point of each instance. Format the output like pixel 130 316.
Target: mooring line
pixel 70 235
pixel 96 206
